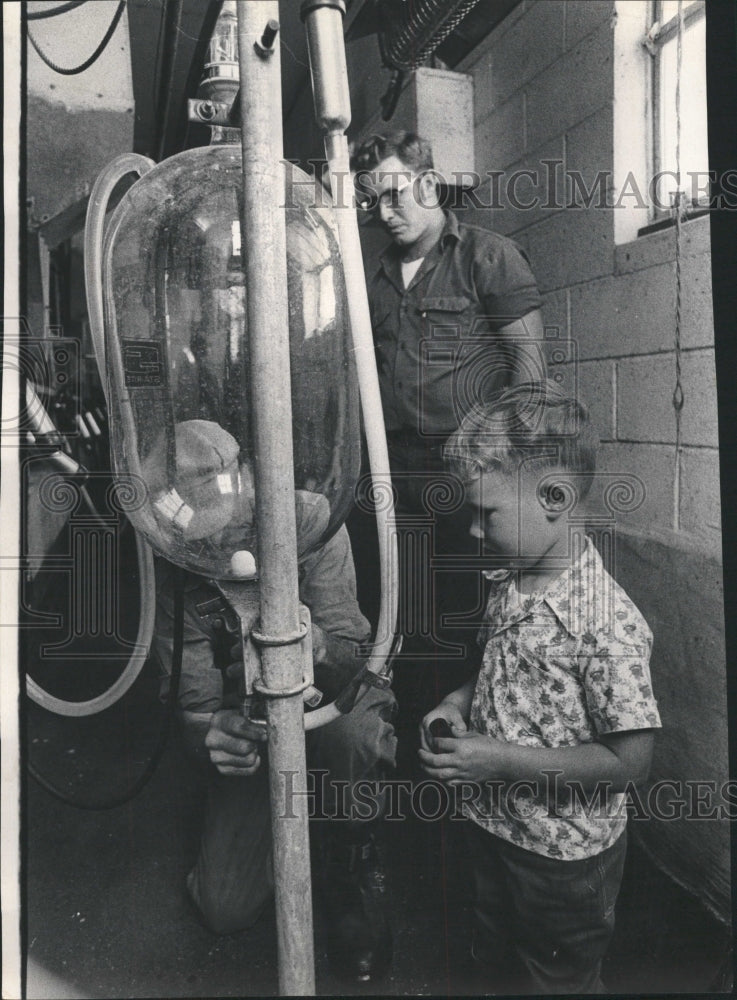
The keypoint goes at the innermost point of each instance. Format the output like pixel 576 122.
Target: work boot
pixel 355 897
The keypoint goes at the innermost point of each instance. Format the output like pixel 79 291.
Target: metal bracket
pixel 209 112
pixel 648 42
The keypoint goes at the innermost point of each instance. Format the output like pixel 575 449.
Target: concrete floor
pixel 107 915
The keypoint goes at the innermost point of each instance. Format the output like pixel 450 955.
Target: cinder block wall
pixel 544 102
pixel 545 82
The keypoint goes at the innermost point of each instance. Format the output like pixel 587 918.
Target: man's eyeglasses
pixel 393 198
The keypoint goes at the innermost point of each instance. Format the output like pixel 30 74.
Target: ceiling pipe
pixel 411 32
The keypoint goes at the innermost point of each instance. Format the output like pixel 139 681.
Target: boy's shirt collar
pixel 578 596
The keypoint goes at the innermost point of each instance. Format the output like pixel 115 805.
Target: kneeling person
pixel 232 878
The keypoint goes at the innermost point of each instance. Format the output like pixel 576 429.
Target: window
pixel 662 44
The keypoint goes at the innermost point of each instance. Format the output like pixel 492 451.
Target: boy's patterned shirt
pixel 561 667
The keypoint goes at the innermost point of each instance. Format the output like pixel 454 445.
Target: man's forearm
pixel 195 726
pixel 336 661
pixel 526 336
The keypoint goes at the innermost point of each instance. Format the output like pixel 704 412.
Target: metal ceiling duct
pixel 411 32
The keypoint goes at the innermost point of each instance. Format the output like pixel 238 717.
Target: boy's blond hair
pixel 534 423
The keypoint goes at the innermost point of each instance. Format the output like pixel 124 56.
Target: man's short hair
pixel 414 152
pixel 533 422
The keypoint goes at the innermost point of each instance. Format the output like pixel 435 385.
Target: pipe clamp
pixel 287 639
pixel 267 692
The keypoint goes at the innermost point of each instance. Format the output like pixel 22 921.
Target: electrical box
pixel 436 104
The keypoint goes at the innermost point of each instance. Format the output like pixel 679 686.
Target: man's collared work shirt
pixel 561 667
pixel 437 340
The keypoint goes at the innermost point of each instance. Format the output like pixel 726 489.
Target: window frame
pixel 660 34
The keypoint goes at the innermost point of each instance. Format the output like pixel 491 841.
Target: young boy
pixel 560 718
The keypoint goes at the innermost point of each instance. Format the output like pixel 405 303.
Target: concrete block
pixel 697 310
pixel 505 222
pixel 653 466
pixel 484 97
pixel 555 312
pixel 438 105
pixel 660 247
pixel 645 398
pixel 532 188
pixel 523 52
pixel 522 239
pixel 596 391
pixel 699 418
pixel 481 207
pixel 584 16
pixel 621 316
pixel 700 502
pixel 500 136
pixel 575 86
pixel 590 153
pixel 679 591
pixel 470 63
pixel 572 246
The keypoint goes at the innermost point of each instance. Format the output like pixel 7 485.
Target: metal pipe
pixel 413 31
pixel 326 46
pixel 265 266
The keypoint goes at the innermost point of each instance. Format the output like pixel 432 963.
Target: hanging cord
pixel 680 207
pixel 171 701
pixel 38 15
pixel 95 55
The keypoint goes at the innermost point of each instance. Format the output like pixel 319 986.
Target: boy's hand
pixel 232 743
pixel 469 757
pixel 452 715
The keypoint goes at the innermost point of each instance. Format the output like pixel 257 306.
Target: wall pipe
pixel 265 267
pixel 326 46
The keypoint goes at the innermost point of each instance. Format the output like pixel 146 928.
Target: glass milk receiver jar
pixel 178 363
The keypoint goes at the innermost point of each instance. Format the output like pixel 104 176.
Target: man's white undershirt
pixel 410 269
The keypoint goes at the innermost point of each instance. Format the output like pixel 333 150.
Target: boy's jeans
pixel 543 925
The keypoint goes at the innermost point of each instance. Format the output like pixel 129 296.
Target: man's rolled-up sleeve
pixel 506 284
pixel 328 588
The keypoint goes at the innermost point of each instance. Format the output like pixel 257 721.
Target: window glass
pixel 694 143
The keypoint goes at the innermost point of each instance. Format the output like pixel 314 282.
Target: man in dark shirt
pixel 456 316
